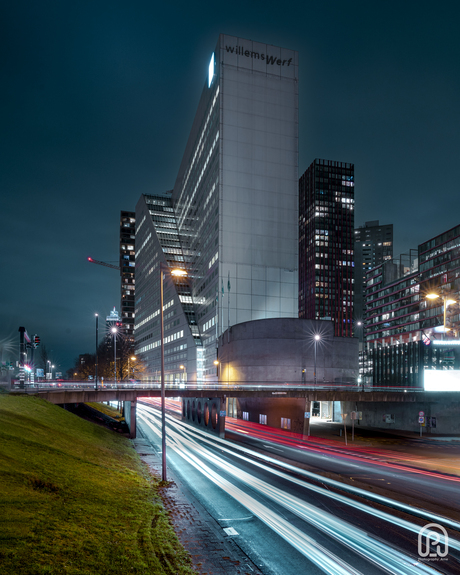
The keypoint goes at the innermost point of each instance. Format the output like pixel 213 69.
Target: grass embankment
pixel 106 410
pixel 75 498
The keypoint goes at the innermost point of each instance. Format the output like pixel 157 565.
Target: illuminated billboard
pixel 442 379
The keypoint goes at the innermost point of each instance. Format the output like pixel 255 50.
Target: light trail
pixel 306 545
pixel 320 490
pixel 386 501
pixel 315 444
pixel 292 440
pixel 373 550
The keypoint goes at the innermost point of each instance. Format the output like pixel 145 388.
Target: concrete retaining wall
pixel 446 411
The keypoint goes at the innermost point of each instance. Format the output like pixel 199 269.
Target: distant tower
pixel 127 267
pixel 326 222
pixel 112 320
pixel 373 246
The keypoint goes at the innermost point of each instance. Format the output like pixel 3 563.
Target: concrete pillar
pixel 132 425
pixel 306 421
pixel 129 413
pixel 222 417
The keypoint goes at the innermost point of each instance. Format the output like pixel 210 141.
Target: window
pixel 246 415
pixel 262 419
pixel 285 423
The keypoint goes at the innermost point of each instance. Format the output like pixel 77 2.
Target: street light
pixel 133 358
pixel 114 331
pixel 95 365
pixel 164 268
pixel 317 337
pixel 446 303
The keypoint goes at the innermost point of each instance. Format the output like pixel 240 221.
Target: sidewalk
pixel 213 552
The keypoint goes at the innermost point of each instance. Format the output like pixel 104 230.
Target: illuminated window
pixel 285 423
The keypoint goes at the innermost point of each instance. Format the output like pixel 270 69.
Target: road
pixel 289 519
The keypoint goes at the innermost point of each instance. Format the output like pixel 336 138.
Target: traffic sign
pixel 421 413
pixel 421 420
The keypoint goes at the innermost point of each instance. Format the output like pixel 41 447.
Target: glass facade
pixel 326 244
pixel 373 246
pixel 231 216
pixel 127 270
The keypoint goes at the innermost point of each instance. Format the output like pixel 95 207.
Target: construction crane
pixel 104 264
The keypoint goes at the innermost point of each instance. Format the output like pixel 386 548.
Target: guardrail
pixel 275 387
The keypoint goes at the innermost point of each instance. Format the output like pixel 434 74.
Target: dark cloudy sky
pixel 98 97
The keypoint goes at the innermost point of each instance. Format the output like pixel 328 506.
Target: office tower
pixel 127 268
pixel 232 212
pixel 326 222
pixel 373 246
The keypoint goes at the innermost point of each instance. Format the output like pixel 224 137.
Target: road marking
pixel 230 531
pixel 271 447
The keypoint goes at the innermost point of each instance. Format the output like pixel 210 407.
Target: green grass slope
pixel 75 499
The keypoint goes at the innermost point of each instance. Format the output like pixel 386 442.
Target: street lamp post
pixel 164 268
pixel 133 357
pixel 316 338
pixel 447 301
pixel 114 331
pixel 95 365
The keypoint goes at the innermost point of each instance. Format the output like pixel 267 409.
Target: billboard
pixel 442 379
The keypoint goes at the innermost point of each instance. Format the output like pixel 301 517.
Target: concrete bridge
pixel 350 397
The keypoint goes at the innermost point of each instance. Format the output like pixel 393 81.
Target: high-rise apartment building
pixel 127 269
pixel 326 223
pixel 373 246
pixel 231 218
pixel 404 328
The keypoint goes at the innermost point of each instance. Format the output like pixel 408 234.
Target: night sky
pixel 98 98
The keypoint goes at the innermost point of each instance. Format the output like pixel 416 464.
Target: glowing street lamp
pixel 133 358
pixel 49 367
pixel 164 268
pixel 114 331
pixel 447 301
pixel 95 365
pixel 317 337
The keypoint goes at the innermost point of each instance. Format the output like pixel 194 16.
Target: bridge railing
pixel 277 388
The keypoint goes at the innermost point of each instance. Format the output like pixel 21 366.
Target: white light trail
pixel 306 545
pixel 372 549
